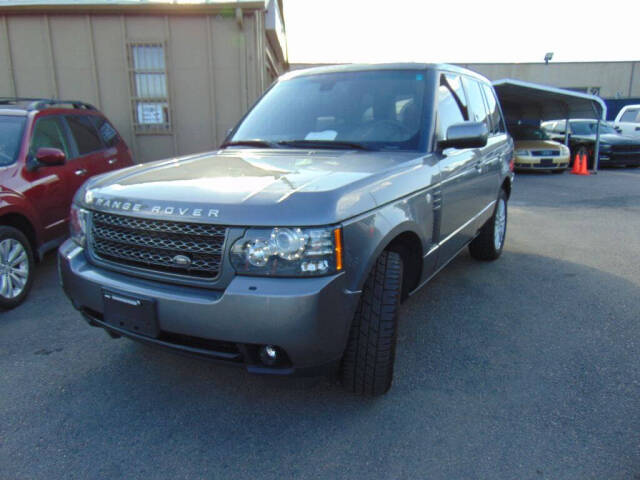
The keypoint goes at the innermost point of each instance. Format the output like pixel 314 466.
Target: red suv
pixel 48 148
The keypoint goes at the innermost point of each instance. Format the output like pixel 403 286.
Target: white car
pixel 628 121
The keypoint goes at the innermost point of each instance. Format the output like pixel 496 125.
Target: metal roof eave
pixel 547 103
pixel 152 7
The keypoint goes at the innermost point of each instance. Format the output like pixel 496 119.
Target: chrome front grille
pixel 155 244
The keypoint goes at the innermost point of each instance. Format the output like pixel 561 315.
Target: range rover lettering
pixel 289 249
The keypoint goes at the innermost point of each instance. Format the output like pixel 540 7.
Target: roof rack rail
pixel 38 103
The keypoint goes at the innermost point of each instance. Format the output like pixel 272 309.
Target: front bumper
pixel 541 163
pixel 308 318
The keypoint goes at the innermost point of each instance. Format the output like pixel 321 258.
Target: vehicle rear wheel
pixel 488 244
pixel 16 267
pixel 367 364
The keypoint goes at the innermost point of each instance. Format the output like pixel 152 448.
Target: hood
pixel 609 138
pixel 254 187
pixel 537 144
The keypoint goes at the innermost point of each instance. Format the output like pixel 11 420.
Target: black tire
pixel 484 247
pixel 558 172
pixel 7 301
pixel 367 364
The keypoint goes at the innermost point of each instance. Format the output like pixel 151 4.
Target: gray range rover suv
pixel 289 249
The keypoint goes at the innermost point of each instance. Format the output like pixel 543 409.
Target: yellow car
pixel 534 150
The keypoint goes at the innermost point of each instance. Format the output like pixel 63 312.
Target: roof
pixel 363 67
pixel 182 6
pixel 531 100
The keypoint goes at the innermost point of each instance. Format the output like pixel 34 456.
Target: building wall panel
pixel 71 46
pixel 32 61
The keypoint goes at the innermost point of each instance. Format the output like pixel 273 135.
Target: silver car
pixel 289 249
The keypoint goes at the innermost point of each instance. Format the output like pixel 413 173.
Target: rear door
pixel 90 150
pixel 458 171
pixel 116 153
pixel 498 151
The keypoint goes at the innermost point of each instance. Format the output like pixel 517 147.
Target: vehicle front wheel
pixel 367 364
pixel 488 244
pixel 16 267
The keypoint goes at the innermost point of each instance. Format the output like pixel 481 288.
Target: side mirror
pixel 466 135
pixel 50 157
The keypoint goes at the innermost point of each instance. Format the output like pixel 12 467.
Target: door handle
pixel 112 160
pixel 81 171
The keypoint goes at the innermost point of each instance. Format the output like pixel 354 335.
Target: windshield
pixel 589 128
pixel 10 137
pixel 528 132
pixel 375 109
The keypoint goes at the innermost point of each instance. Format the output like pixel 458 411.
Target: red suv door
pixel 97 143
pixel 51 188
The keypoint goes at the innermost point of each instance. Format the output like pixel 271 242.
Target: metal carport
pixel 524 100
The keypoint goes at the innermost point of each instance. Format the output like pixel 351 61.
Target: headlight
pixel 78 224
pixel 522 153
pixel 288 252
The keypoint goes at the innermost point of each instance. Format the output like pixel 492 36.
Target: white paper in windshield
pixel 323 135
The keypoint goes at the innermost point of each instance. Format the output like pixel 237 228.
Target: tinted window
pixel 528 132
pixel 589 128
pixel 379 109
pixel 497 124
pixel 107 132
pixel 477 107
pixel 11 129
pixel 85 134
pixel 48 132
pixel 451 108
pixel 629 115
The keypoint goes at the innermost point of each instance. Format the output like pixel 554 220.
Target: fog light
pixel 269 355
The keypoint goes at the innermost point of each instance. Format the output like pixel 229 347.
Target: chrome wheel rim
pixel 500 224
pixel 14 268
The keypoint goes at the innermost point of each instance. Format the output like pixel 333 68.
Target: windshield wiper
pixel 249 143
pixel 324 144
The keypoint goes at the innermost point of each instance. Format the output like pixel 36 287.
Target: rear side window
pixel 629 115
pixel 497 123
pixel 49 133
pixel 452 107
pixel 85 134
pixel 477 107
pixel 107 132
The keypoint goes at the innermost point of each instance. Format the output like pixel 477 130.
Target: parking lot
pixel 528 368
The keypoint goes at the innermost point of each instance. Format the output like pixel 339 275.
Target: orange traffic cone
pixel 576 165
pixel 583 165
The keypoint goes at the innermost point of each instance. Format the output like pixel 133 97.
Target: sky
pixel 461 31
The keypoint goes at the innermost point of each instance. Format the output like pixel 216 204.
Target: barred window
pixel 148 73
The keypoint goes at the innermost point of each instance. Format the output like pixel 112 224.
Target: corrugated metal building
pixel 172 77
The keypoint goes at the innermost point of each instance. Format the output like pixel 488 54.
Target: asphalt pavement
pixel 524 368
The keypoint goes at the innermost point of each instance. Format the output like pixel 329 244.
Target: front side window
pixel 11 130
pixel 150 100
pixel 85 134
pixel 49 133
pixel 375 109
pixel 497 123
pixel 451 105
